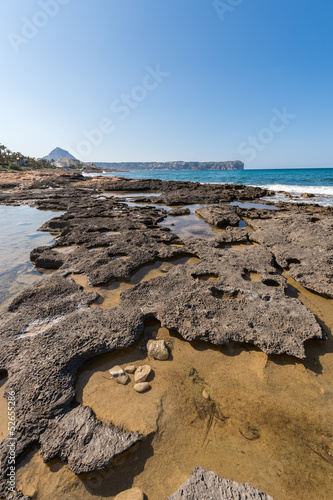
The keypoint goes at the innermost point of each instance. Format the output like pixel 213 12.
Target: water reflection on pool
pixel 19 236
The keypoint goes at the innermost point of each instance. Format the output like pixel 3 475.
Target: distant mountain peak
pixel 58 153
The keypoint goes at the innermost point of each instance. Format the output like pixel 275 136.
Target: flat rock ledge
pixel 219 216
pixel 206 485
pixel 49 331
pixel 78 438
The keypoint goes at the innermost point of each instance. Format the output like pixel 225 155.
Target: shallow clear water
pixel 19 236
pixel 129 194
pixel 259 206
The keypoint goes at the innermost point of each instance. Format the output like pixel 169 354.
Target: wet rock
pixel 183 193
pixel 70 190
pixel 179 211
pixel 248 304
pixel 85 443
pixel 52 358
pixel 141 387
pixel 132 494
pixel 233 235
pixel 206 485
pixel 219 216
pixel 36 252
pixel 303 245
pixel 129 369
pixel 119 375
pixel 307 195
pixel 158 349
pixel 142 373
pixel 142 247
pixel 54 296
pixel 49 260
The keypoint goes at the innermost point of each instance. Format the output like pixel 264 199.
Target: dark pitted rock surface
pixel 233 235
pixel 47 297
pixel 307 195
pixel 49 358
pixel 49 331
pixel 219 216
pixel 303 244
pixel 73 190
pixel 232 309
pixel 84 443
pixel 179 211
pixel 206 485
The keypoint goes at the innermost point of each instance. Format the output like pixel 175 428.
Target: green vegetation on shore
pixel 10 160
pixel 13 161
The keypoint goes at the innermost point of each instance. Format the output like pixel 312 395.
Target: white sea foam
pixel 89 174
pixel 317 190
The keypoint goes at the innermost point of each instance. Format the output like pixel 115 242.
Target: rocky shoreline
pixel 235 291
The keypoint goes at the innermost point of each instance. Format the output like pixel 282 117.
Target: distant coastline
pixel 171 165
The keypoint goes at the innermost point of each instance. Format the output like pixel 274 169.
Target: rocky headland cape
pixel 50 330
pixel 173 165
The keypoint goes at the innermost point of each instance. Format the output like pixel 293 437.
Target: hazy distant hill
pixel 173 165
pixel 58 153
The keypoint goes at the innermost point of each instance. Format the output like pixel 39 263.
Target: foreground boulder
pixel 206 485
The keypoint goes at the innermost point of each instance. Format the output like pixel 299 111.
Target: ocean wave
pixel 297 189
pixel 91 174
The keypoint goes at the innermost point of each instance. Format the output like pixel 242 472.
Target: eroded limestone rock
pixel 206 485
pixel 233 235
pixel 179 211
pixel 248 304
pixel 228 296
pixel 219 216
pixel 78 438
pixel 301 244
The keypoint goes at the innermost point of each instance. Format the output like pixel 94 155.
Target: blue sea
pixel 318 181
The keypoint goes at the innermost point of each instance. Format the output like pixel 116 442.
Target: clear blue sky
pixel 229 66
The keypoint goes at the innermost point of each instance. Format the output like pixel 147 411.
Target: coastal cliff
pixel 173 165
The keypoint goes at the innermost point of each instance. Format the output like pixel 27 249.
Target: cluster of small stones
pixel 156 349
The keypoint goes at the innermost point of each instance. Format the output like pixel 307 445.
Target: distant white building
pixel 67 163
